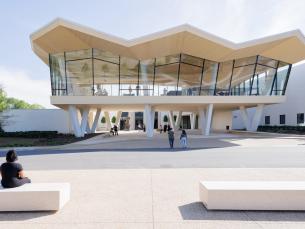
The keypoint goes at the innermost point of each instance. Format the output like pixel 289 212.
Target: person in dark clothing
pixel 171 137
pixel 115 128
pixel 11 172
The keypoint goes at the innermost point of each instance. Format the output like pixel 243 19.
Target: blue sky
pixel 25 76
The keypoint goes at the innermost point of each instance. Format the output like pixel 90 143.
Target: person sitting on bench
pixel 12 172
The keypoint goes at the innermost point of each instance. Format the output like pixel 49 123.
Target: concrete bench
pixel 35 197
pixel 252 195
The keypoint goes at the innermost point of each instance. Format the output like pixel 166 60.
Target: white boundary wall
pixel 37 120
pixel 294 104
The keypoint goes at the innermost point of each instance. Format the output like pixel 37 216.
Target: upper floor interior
pixel 94 72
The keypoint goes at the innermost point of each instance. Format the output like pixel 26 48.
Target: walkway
pixel 147 199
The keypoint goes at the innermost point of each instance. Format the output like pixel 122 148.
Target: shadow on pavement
pixel 197 211
pixel 21 216
pixel 131 146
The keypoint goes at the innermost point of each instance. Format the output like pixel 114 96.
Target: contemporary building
pixel 183 70
pixel 290 113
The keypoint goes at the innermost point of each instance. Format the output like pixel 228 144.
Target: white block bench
pixel 252 195
pixel 35 197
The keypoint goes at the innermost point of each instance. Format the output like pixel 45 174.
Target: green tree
pixel 103 120
pixel 3 103
pixel 113 119
pixel 13 103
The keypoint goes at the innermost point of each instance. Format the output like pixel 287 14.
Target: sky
pixel 23 75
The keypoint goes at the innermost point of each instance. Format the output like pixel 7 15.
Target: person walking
pixel 183 139
pixel 115 128
pixel 161 129
pixel 171 137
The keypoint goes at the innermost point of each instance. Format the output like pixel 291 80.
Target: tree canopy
pixel 12 103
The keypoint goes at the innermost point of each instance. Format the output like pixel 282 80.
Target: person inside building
pixel 12 172
pixel 171 137
pixel 183 139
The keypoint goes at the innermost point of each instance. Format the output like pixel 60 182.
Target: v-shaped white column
pixel 205 119
pixel 73 113
pixel 95 121
pixel 108 122
pixel 118 118
pixel 178 120
pixel 84 121
pixel 251 125
pixel 171 120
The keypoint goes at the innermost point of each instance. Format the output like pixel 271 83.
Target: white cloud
pixel 20 85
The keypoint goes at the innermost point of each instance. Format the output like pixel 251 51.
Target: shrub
pixel 113 120
pixel 282 129
pixel 30 134
pixel 103 120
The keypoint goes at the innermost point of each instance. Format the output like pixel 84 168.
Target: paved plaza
pixel 133 182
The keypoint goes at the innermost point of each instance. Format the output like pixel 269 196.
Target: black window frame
pixel 267 120
pixel 300 116
pixel 282 119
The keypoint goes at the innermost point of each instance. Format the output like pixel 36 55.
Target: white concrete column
pixel 245 117
pixel 84 122
pixel 178 120
pixel 95 121
pixel 132 120
pixel 193 120
pixel 73 113
pixel 201 120
pixel 159 119
pixel 108 122
pixel 118 118
pixel 257 117
pixel 152 119
pixel 171 120
pixel 208 121
pixel 148 120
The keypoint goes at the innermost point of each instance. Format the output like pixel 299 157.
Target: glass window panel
pixel 107 56
pixel 106 78
pixel 282 119
pixel 189 79
pixel 224 78
pixel 246 89
pixel 240 76
pixel 209 78
pixel 79 54
pixel 79 77
pixel 191 60
pixel 281 77
pixel 166 80
pixel 245 61
pixel 129 76
pixel 146 77
pixel 267 61
pixel 58 80
pixel 167 59
pixel 265 79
